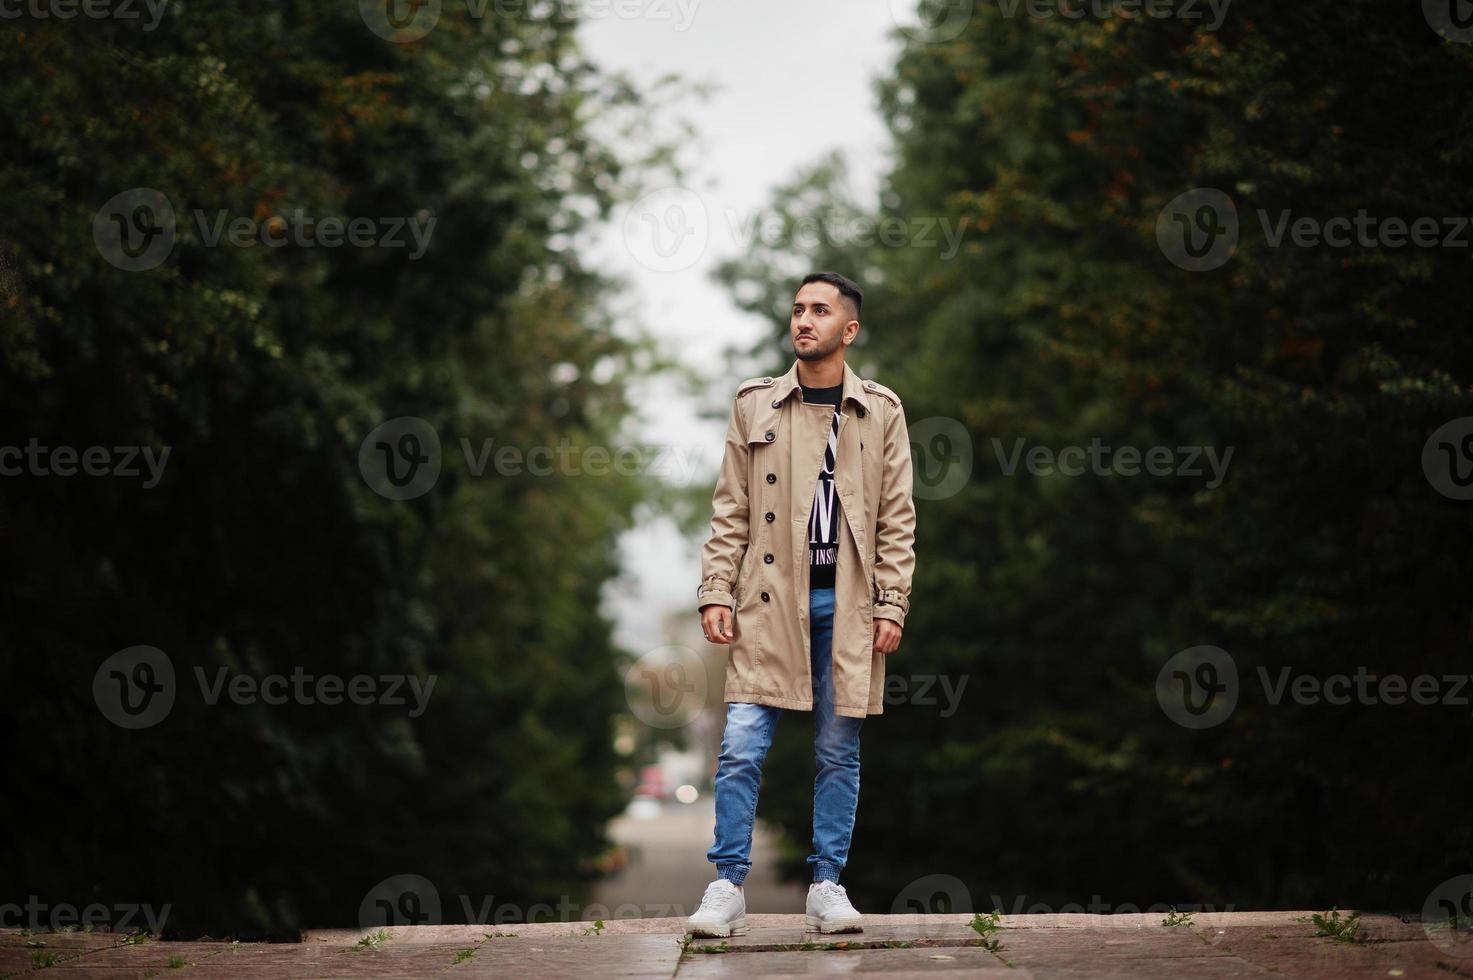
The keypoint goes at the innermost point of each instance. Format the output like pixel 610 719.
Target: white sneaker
pixel 723 911
pixel 829 909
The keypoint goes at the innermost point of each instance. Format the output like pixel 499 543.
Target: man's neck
pixel 821 374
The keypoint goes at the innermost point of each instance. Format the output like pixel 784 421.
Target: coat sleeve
pixel 896 525
pixel 721 557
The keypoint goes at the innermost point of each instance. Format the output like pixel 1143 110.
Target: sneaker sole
pixel 737 928
pixel 841 925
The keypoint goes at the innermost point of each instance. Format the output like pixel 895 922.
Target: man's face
pixel 822 321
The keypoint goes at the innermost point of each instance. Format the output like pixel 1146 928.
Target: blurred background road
pixel 666 847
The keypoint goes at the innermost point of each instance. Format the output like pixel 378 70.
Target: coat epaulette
pixel 877 387
pixel 751 384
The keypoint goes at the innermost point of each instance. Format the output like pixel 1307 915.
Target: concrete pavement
pixel 1224 944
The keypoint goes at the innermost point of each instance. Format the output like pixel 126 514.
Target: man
pixel 807 576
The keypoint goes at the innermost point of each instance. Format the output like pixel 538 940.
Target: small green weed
pixel 985 926
pixel 1337 928
pixel 1176 918
pixel 372 940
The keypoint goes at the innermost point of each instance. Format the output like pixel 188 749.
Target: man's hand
pixel 716 623
pixel 887 635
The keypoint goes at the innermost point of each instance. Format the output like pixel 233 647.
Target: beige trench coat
pixel 756 559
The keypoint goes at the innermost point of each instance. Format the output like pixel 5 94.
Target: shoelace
pixel 714 898
pixel 832 896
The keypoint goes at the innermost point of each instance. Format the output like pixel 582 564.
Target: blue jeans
pixel 744 746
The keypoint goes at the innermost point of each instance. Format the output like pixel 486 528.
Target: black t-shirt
pixel 823 521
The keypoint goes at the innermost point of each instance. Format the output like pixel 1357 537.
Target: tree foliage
pixel 263 550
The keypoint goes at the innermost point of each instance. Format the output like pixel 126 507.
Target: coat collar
pixel 853 391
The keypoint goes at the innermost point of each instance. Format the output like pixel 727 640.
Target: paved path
pixel 668 870
pixel 1231 944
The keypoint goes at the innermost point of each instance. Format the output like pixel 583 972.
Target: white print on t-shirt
pixel 823 519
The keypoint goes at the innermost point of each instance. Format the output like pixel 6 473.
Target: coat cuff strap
pixel 714 590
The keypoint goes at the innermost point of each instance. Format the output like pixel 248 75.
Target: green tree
pixel 263 550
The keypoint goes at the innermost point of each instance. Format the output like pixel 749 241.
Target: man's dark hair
pixel 847 288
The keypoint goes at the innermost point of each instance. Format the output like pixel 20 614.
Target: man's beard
pixel 814 351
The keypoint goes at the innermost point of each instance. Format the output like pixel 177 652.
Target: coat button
pixel 766 597
pixel 767 381
pixel 769 437
pixel 771 517
pixel 767 558
pixel 775 403
pixel 772 478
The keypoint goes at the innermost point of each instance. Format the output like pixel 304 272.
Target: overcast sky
pixel 793 81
